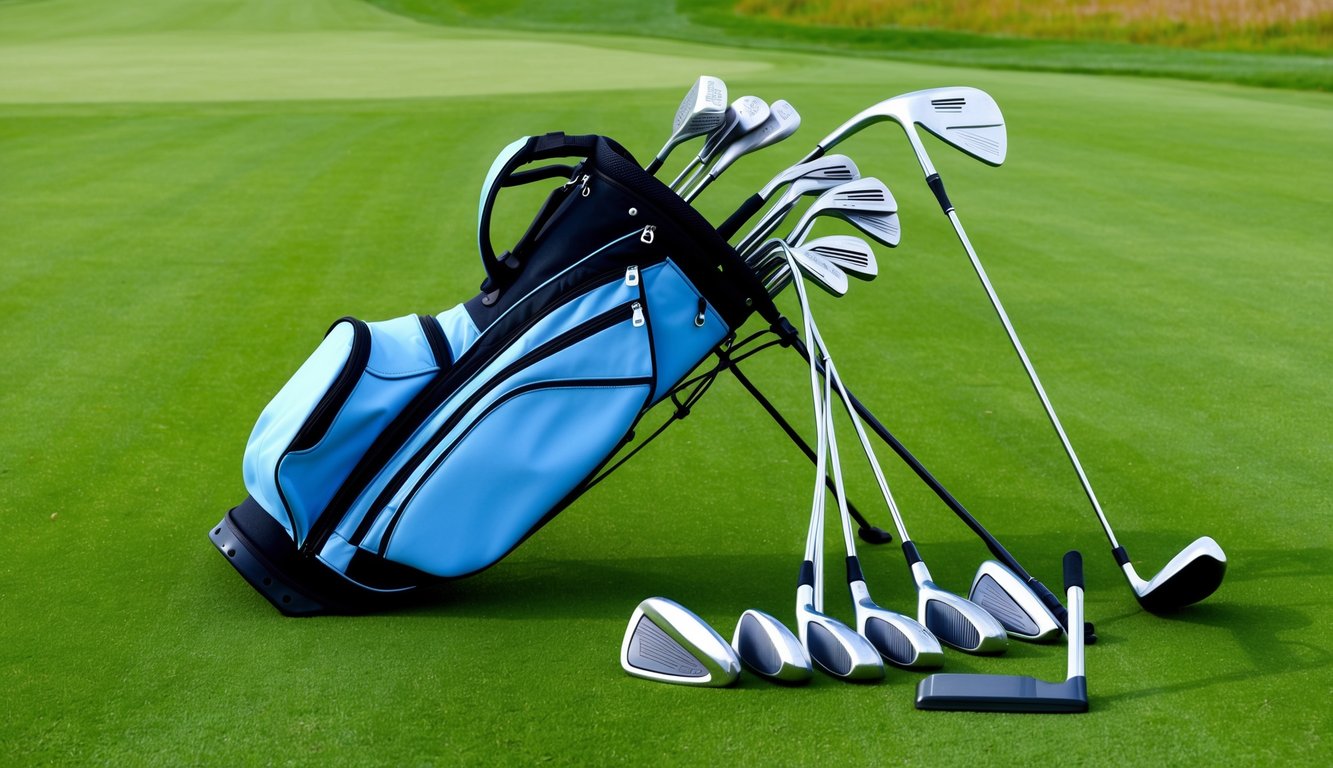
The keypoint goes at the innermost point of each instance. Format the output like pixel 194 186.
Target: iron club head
pixel 767 647
pixel 669 643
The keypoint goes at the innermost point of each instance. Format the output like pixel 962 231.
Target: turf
pixel 190 193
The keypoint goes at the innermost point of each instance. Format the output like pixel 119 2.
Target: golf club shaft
pixel 1027 366
pixel 992 544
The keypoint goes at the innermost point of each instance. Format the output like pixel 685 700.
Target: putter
pixel 969 120
pixel 669 643
pixel 699 113
pixel 1014 693
pixel 782 122
pixel 744 115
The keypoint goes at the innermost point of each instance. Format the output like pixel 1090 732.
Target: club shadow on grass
pixel 1272 638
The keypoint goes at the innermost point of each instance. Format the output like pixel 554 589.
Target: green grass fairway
pixel 190 192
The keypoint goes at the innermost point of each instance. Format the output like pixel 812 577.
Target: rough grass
pixel 717 21
pixel 1276 26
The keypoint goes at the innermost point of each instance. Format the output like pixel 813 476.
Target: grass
pixel 192 192
pixel 718 22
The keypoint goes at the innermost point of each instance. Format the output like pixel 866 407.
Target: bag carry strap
pixel 504 173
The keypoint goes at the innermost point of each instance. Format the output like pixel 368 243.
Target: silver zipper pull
pixel 702 317
pixel 631 275
pixel 649 233
pixel 583 186
pixel 638 314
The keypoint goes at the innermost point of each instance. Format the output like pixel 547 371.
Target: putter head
pixel 1013 693
pixel 833 646
pixel 967 119
pixel 669 643
pixel 700 112
pixel 1191 576
pixel 1013 604
pixel 900 640
pixel 767 647
pixel 834 169
pixel 1001 693
pixel 955 621
pixel 850 254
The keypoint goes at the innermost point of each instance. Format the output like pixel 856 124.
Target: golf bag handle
pixel 504 173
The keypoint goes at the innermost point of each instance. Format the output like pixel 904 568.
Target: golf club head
pixel 668 643
pixel 836 649
pixel 744 115
pixel 900 640
pixel 866 196
pixel 883 228
pixel 956 621
pixel 836 169
pixel 783 120
pixel 821 272
pixel 1195 573
pixel 965 118
pixel 700 112
pixel 767 647
pixel 800 187
pixel 1013 604
pixel 850 254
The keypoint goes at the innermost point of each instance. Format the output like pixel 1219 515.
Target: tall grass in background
pixel 1277 26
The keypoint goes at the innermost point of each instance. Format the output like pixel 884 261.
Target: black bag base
pixel 261 551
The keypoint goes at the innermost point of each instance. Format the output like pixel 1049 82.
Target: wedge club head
pixel 669 643
pixel 782 122
pixel 956 621
pixel 900 640
pixel 834 647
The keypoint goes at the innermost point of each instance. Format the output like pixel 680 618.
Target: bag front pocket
pixel 513 451
pixel 317 427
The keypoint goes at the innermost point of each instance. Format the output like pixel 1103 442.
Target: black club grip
pixel 1073 570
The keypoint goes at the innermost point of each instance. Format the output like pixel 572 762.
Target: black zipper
pixel 323 414
pixel 439 345
pixel 425 403
pixel 556 345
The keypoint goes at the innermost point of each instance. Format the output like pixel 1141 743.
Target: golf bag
pixel 428 447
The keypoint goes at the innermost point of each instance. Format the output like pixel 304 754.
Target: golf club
pixel 831 169
pixel 783 120
pixel 833 646
pixel 1014 693
pixel 699 112
pixel 781 207
pixel 744 115
pixel 953 619
pixel 899 640
pixel 969 120
pixel 669 643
